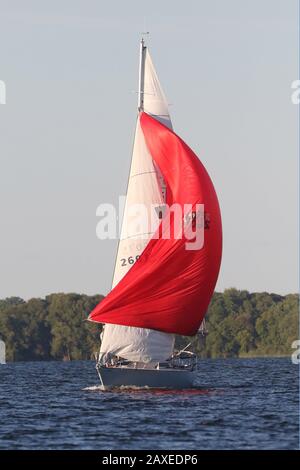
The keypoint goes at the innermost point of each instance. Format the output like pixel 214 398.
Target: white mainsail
pixel 145 186
pixel 153 100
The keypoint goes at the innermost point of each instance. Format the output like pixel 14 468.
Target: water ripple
pixel 241 404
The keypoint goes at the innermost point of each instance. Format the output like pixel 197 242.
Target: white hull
pixel 111 377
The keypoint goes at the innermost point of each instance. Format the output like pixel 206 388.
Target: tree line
pixel 239 324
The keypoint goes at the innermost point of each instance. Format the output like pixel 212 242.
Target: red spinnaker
pixel 169 288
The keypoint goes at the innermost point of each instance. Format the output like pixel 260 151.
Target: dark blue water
pixel 244 404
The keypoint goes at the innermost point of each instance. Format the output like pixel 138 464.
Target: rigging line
pixel 137 236
pixel 159 115
pixel 143 173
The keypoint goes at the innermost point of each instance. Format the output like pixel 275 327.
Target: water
pixel 242 404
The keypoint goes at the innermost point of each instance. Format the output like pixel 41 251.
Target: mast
pixel 141 75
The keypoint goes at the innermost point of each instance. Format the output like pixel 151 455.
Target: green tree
pixel 239 324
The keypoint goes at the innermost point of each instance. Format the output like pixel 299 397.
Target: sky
pixel 66 131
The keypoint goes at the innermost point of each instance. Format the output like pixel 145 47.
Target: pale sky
pixel 66 131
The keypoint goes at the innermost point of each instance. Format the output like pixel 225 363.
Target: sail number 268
pixel 129 260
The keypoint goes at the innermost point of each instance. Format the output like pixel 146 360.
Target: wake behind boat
pixel 165 273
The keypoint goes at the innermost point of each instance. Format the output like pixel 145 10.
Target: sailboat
pixel 160 288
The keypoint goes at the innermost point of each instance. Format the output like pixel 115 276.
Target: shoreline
pixel 282 356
